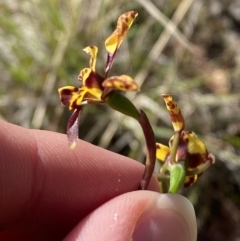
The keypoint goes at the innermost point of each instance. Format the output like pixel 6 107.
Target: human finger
pixel 46 188
pixel 139 216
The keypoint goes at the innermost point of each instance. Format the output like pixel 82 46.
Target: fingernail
pixel 169 218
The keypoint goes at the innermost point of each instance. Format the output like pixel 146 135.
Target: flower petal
pixel 114 41
pixel 189 180
pixel 72 128
pixel 91 79
pixel 93 95
pixel 197 151
pixel 163 152
pixel 66 94
pixel 92 51
pixel 123 82
pixel 84 74
pixel 175 113
pixel 71 96
pixel 195 145
pixel 123 24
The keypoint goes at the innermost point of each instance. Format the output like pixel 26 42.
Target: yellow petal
pixel 67 94
pixel 175 113
pixel 71 96
pixel 123 25
pixel 84 74
pixel 93 95
pixel 189 180
pixel 162 152
pixel 92 51
pixel 82 92
pixel 195 145
pixel 123 82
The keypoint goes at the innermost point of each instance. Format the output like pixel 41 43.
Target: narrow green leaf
pixel 122 104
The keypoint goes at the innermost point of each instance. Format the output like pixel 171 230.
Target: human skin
pixel 50 192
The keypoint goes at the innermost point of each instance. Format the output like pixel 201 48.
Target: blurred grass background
pixel 187 48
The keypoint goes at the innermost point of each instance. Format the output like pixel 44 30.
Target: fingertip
pixel 115 218
pixel 138 216
pixel 170 217
pixel 183 207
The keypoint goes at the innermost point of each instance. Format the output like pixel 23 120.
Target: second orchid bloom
pixel 186 158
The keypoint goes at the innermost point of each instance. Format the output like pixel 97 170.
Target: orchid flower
pixel 187 157
pixel 101 89
pixel 96 88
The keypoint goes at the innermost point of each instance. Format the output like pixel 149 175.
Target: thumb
pixel 139 216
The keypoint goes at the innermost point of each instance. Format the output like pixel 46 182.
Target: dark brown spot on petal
pixel 195 160
pixel 171 105
pixel 66 95
pixel 94 80
pixel 125 27
pixel 133 14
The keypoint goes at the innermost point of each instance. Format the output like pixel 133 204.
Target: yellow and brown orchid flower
pixel 96 88
pixel 185 148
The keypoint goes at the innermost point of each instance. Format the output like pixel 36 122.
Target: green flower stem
pixel 163 177
pixel 174 147
pixel 164 186
pixel 163 180
pixel 151 150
